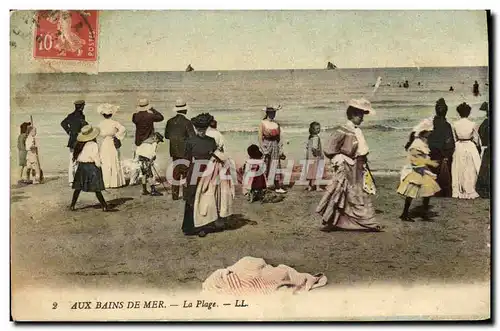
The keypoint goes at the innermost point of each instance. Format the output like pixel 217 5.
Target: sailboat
pixel 330 66
pixel 189 68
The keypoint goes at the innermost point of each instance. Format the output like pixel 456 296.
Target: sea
pixel 236 100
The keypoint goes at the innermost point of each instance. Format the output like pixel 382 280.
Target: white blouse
pixel 464 129
pixel 362 144
pixel 90 153
pixel 111 128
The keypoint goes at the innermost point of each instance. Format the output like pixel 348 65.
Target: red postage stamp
pixel 66 35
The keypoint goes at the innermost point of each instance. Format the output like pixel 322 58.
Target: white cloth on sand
pixel 132 170
pixel 466 159
pixel 214 194
pixel 252 275
pixel 112 171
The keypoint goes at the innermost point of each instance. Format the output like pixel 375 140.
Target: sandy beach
pixel 141 245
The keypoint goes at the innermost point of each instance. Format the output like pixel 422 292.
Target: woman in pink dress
pixel 346 204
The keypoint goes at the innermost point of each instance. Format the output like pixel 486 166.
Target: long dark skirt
pixel 483 179
pixel 443 173
pixel 88 178
pixel 190 197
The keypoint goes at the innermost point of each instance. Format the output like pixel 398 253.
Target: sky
pixel 247 40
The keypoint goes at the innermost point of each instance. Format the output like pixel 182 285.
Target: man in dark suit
pixel 72 125
pixel 178 130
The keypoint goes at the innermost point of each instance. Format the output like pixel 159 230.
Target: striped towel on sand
pixel 252 275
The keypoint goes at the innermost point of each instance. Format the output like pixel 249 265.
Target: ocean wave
pixel 384 127
pixel 321 107
pixel 432 91
pixel 388 102
pixel 408 105
pixel 305 129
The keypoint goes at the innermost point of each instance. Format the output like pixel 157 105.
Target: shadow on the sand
pixel 16 198
pixel 111 203
pixel 237 221
pixel 50 179
pixel 419 211
pixel 19 184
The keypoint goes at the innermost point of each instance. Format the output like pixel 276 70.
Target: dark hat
pixel 254 152
pixel 484 106
pixel 79 102
pixel 441 107
pixel 202 121
pixel 441 102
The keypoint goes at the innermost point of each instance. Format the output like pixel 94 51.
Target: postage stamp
pixel 66 35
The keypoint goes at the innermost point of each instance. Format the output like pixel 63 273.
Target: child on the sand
pixel 21 148
pixel 417 181
pixel 314 157
pixel 254 179
pixel 32 166
pixel 146 154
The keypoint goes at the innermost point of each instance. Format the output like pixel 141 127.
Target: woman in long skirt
pixel 198 152
pixel 442 145
pixel 467 158
pixel 483 179
pixel 88 175
pixel 271 145
pixel 346 204
pixel 113 133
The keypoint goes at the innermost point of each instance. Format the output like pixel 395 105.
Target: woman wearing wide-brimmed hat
pixel 346 204
pixel 271 144
pixel 88 175
pixel 199 150
pixel 113 133
pixel 483 178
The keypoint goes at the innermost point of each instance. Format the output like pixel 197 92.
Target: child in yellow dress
pixel 417 181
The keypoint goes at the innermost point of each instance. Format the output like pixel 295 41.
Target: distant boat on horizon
pixel 330 66
pixel 189 68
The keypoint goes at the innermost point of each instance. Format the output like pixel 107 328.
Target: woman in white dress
pixel 466 159
pixel 112 133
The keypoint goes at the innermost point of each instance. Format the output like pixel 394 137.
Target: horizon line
pixel 283 69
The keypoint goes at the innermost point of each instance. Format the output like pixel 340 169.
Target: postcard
pixel 231 165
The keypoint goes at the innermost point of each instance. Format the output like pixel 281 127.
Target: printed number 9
pixel 54 305
pixel 45 43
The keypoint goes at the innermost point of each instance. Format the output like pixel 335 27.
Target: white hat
pixel 362 104
pixel 271 108
pixel 180 104
pixel 425 125
pixel 107 109
pixel 143 104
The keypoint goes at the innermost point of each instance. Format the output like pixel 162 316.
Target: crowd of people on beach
pixel 444 160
